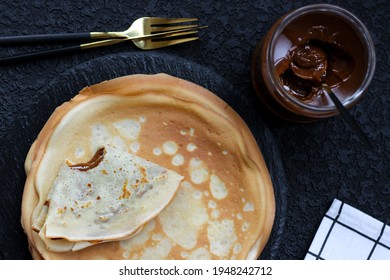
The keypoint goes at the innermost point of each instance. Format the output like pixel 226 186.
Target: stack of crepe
pixel 146 167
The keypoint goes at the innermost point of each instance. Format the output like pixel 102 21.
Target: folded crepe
pixel 108 198
pixel 224 207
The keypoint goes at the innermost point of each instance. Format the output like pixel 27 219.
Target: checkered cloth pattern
pixel 346 233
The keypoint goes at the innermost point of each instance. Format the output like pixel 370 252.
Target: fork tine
pixel 186 30
pixel 156 29
pixel 163 21
pixel 175 35
pixel 161 44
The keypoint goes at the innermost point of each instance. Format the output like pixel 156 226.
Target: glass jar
pixel 326 26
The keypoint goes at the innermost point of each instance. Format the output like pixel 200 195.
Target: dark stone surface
pixel 322 161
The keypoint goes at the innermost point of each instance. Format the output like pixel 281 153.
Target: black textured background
pixel 322 160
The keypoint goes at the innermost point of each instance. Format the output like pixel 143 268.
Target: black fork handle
pixel 44 38
pixel 39 54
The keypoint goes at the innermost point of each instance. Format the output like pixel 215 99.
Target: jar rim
pixel 361 31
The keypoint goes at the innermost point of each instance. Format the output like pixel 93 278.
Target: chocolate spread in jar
pixel 319 48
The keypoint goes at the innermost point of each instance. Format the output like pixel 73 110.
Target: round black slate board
pixel 65 86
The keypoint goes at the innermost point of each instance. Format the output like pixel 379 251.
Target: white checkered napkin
pixel 346 233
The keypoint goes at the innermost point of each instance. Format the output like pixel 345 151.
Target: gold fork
pixel 147 33
pixel 147 26
pixel 140 28
pixel 155 41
